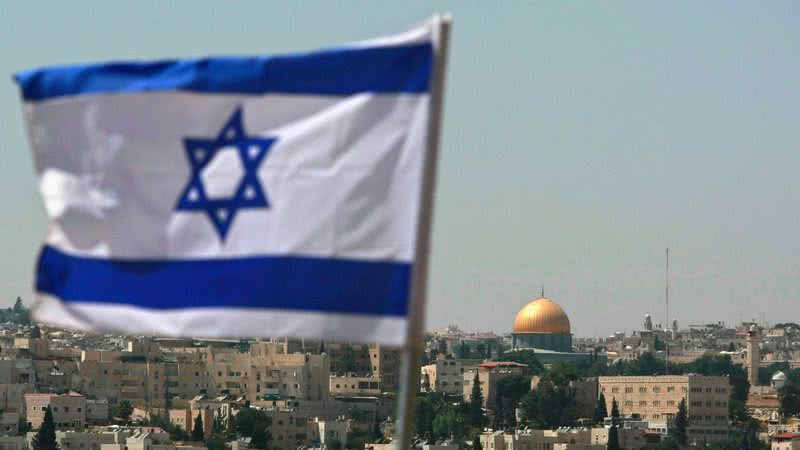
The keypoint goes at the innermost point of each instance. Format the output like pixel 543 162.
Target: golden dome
pixel 542 316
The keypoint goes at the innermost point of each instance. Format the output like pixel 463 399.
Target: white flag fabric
pixel 233 196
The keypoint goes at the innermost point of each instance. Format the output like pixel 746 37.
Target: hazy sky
pixel 580 140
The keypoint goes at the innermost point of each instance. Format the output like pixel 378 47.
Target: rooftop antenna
pixel 542 291
pixel 666 335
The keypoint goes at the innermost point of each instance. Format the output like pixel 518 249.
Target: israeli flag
pixel 234 196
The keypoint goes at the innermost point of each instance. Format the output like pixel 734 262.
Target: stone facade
pixel 352 386
pixel 655 399
pixel 443 375
pixel 69 410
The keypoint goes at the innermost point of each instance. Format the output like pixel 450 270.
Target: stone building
pixel 444 375
pixel 148 379
pixel 69 410
pixel 655 399
pixel 753 354
pixel 350 385
pixel 386 366
pixel 291 429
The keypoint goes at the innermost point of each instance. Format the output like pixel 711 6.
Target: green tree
pixel 217 442
pixel 218 425
pixel 681 424
pixel 731 347
pixel 356 439
pixel 551 405
pixel 669 443
pixel 748 438
pixel 179 434
pixel 254 423
pixel 613 439
pixel 449 424
pixel 198 434
pixel 476 442
pixel 614 411
pixel 124 410
pixel 790 400
pixel 600 410
pixel 424 414
pixel 476 403
pixel 509 391
pixel 45 438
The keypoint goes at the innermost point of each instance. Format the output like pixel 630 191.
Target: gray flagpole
pixel 409 373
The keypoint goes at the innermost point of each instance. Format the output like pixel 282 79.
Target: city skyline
pixel 580 157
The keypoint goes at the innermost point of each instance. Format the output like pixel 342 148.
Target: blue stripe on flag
pixel 272 282
pixel 343 71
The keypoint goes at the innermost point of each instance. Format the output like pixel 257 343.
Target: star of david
pixel 248 193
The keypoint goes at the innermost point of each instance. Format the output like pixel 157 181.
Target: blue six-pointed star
pixel 248 194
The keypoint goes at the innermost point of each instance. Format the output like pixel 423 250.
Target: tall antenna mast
pixel 666 335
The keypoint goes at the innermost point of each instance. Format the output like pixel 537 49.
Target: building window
pixel 670 388
pixel 642 390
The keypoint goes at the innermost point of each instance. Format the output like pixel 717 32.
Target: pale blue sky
pixel 580 140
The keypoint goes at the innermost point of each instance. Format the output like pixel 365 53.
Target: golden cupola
pixel 542 316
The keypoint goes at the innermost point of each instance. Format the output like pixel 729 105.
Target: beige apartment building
pixel 655 399
pixel 386 366
pixel 69 410
pixel 567 439
pixel 264 371
pixel 115 376
pixel 353 386
pixel 291 429
pixel 444 375
pixel 354 358
pixel 82 440
pixel 148 379
pixel 97 411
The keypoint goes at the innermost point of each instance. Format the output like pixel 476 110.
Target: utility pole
pixel 668 329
